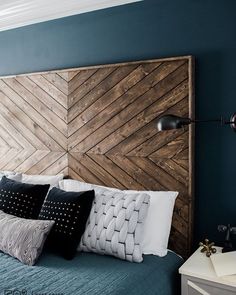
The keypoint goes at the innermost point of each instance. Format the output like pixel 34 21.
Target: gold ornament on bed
pixel 98 124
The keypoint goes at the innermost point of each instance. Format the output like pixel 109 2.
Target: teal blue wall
pixel 153 29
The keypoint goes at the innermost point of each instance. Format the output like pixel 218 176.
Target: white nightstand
pixel 198 277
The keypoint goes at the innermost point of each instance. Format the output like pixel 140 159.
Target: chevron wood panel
pixel 97 124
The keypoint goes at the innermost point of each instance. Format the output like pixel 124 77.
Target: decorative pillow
pixel 11 175
pixel 70 211
pixel 53 180
pixel 157 224
pixel 20 199
pixel 23 238
pixel 115 225
pixel 76 185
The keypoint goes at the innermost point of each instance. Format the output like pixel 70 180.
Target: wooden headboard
pixel 97 124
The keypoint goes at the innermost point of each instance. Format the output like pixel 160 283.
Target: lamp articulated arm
pixel 169 122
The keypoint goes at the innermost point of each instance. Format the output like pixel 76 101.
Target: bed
pixel 91 274
pixel 97 125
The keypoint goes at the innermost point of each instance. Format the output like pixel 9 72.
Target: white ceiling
pixel 18 13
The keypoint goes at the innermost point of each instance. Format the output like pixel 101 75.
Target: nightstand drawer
pixel 195 286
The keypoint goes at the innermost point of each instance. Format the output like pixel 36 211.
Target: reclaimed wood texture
pixel 97 125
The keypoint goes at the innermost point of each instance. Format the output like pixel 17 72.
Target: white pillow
pixel 6 172
pixel 11 175
pixel 157 225
pixel 158 220
pixel 53 180
pixel 76 185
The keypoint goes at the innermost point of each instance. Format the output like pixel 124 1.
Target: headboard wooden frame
pixel 97 124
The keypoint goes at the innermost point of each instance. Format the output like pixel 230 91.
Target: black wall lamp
pixel 168 122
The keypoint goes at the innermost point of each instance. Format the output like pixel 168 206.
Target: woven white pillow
pixel 157 224
pixel 114 226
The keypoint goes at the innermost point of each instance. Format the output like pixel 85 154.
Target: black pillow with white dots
pixel 22 199
pixel 70 211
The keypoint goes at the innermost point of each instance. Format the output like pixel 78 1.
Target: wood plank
pixel 98 92
pixel 5 136
pixel 183 163
pixel 132 134
pixel 76 165
pixel 15 134
pixel 43 97
pixel 175 170
pixel 183 155
pixel 57 81
pixel 180 224
pixel 9 114
pixel 135 172
pixel 77 81
pixel 9 156
pixel 114 107
pixel 120 88
pixel 67 75
pixel 182 208
pixel 126 181
pixel 3 143
pixel 63 74
pixel 3 151
pixel 72 74
pixel 54 92
pixel 127 114
pixel 57 167
pixel 36 104
pixel 153 143
pixel 177 241
pixel 45 163
pixel 45 139
pixel 64 171
pixel 84 88
pixel 74 175
pixel 31 161
pixel 21 157
pixel 101 174
pixel 25 106
pixel 164 179
pixel 171 149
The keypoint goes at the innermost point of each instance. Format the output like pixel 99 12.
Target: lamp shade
pixel 233 122
pixel 169 122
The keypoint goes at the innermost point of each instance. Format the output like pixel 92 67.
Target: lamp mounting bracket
pixel 233 122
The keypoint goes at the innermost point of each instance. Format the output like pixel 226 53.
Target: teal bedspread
pixel 90 274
